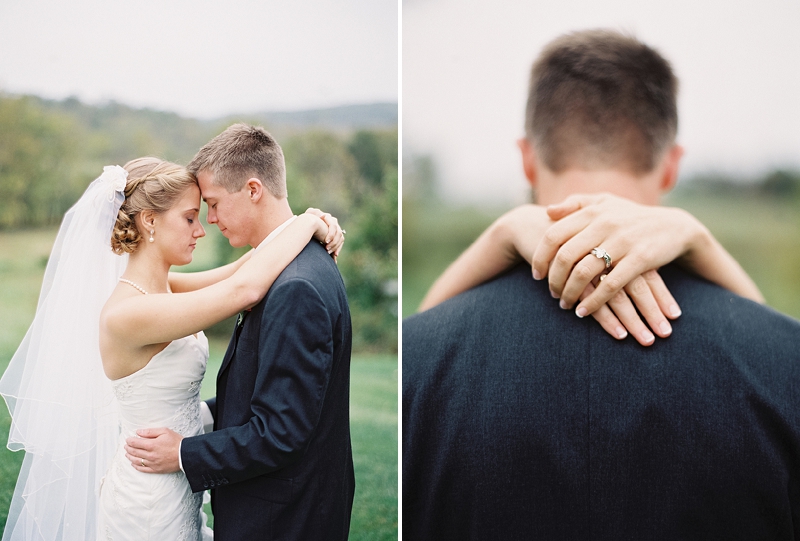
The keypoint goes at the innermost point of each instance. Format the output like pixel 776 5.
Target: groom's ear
pixel 528 161
pixel 255 189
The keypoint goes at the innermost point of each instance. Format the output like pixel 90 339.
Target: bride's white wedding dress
pixel 64 412
pixel 140 506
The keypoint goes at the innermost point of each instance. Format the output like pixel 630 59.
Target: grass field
pixel 373 403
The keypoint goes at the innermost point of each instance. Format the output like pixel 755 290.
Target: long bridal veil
pixel 62 405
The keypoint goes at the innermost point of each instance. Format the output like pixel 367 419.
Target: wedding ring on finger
pixel 599 253
pixel 143 466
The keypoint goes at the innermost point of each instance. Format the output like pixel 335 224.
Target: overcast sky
pixel 202 58
pixel 466 64
pixel 465 67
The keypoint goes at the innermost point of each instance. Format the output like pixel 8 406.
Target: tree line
pixel 51 150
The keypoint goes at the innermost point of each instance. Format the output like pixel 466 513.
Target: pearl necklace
pixel 137 286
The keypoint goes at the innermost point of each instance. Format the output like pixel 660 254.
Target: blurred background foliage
pixel 342 160
pixel 756 218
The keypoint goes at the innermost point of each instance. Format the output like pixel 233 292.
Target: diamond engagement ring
pixel 599 253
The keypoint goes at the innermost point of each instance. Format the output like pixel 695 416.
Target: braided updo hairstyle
pixel 153 184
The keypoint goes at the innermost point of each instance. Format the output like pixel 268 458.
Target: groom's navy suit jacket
pixel 279 462
pixel 522 421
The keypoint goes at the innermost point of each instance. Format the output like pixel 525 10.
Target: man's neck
pixel 276 212
pixel 555 187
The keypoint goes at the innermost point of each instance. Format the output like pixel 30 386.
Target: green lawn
pixel 373 402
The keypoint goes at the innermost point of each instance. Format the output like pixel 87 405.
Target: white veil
pixel 62 406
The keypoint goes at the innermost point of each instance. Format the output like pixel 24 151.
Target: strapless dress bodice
pixel 137 506
pixel 166 391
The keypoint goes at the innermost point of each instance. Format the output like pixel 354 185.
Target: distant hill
pixel 373 115
pixel 342 118
pixel 112 131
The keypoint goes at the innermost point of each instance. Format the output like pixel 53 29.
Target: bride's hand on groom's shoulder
pixel 623 242
pixel 646 293
pixel 333 240
pixel 154 450
pixel 636 237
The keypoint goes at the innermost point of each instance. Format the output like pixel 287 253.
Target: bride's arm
pixel 638 238
pixel 510 239
pixel 153 319
pixel 182 282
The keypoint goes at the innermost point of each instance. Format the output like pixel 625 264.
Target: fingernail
pixel 553 294
pixel 580 312
pixel 647 336
pixel 563 305
pixel 665 328
pixel 537 275
pixel 621 332
pixel 674 311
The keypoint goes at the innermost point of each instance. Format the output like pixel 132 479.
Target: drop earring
pixel 151 235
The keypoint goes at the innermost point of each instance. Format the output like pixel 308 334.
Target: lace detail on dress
pixel 123 389
pixel 177 477
pixel 113 486
pixel 190 529
pixel 187 419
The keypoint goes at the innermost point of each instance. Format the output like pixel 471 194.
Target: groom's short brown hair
pixel 600 99
pixel 242 152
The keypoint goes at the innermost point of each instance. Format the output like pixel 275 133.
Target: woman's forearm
pixel 707 258
pixel 187 313
pixel 509 240
pixel 182 282
pixel 483 260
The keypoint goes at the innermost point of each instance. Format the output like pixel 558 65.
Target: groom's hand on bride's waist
pixel 154 450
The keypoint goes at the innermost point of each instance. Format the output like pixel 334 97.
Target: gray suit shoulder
pixel 314 265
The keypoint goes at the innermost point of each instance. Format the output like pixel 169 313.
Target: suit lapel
pixel 226 360
pixel 237 330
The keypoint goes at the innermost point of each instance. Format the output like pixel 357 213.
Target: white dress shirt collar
pixel 275 232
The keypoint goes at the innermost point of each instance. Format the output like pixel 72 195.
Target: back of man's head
pixel 240 152
pixel 601 100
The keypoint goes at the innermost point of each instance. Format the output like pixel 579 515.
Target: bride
pixel 74 403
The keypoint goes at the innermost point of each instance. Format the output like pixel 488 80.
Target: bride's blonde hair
pixel 153 184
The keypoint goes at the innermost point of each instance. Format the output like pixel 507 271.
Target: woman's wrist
pixel 707 258
pixel 504 234
pixel 700 242
pixel 315 224
pixel 525 226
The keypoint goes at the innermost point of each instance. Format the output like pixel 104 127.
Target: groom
pixel 522 421
pixel 279 462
